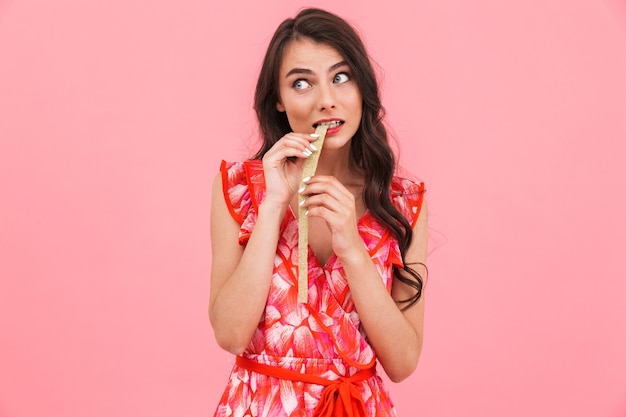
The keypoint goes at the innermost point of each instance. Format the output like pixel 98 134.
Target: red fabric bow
pixel 340 398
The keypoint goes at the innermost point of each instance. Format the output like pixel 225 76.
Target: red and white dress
pixel 321 340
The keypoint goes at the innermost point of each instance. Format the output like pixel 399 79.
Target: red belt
pixel 340 398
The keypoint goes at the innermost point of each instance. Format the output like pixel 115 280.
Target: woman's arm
pixel 395 335
pixel 240 276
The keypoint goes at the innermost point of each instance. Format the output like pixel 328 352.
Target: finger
pixel 321 212
pixel 316 201
pixel 327 184
pixel 335 219
pixel 289 147
pixel 334 201
pixel 302 138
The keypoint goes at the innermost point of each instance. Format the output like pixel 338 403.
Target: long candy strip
pixel 303 225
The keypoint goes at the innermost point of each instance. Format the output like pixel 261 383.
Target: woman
pixel 367 239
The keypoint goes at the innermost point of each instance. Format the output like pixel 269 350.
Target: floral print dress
pixel 321 337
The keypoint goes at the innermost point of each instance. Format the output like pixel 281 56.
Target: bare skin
pixel 240 276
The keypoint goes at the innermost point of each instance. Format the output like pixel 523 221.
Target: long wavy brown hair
pixel 370 150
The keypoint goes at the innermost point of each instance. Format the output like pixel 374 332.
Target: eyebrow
pixel 309 72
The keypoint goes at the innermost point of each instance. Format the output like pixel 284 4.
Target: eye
pixel 301 84
pixel 340 78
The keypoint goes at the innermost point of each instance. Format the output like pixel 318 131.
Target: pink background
pixel 114 116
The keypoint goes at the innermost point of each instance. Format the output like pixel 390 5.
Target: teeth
pixel 332 124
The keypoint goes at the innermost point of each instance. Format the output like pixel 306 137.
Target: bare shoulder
pixel 219 208
pixel 217 189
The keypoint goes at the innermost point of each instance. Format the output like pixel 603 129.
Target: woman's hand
pixel 283 165
pixel 329 200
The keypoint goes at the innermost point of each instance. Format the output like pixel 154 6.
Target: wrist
pixel 355 258
pixel 272 208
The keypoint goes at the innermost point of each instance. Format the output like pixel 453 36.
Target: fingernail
pixel 306 213
pixel 301 203
pixel 313 147
pixel 300 190
pixel 307 152
pixel 305 180
pixel 315 135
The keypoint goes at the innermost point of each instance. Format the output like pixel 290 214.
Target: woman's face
pixel 316 86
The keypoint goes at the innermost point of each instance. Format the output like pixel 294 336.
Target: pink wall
pixel 114 116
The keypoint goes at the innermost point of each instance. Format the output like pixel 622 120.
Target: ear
pixel 280 107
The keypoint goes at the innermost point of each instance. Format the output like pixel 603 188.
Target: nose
pixel 326 97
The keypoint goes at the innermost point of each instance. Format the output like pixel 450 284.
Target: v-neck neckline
pixel 310 250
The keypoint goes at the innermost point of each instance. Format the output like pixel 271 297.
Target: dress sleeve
pixel 407 197
pixel 238 197
pixel 235 189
